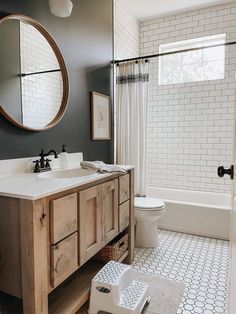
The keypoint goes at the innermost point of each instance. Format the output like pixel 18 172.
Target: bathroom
pixel 190 124
pixel 189 133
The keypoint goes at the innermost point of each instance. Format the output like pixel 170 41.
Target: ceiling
pixel 143 9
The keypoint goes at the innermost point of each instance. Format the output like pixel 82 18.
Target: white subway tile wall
pixel 126 32
pixel 41 94
pixel 190 125
pixel 126 43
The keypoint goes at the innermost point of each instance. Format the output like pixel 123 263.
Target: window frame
pixel 188 44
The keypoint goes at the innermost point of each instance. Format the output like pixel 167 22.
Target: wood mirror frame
pixel 64 73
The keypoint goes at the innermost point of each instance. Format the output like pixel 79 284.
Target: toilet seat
pixel 148 203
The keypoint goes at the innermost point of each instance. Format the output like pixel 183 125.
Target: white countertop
pixel 31 186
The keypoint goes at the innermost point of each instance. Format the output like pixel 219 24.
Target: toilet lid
pixel 148 203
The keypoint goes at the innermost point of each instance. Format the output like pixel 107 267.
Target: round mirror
pixel 34 85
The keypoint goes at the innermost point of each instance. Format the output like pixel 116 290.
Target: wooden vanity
pixel 47 245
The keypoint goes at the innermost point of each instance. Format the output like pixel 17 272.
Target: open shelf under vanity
pixel 74 292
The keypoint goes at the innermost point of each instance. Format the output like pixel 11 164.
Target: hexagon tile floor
pixel 200 263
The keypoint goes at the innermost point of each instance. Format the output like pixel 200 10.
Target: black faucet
pixel 42 159
pixel 44 164
pixel 52 151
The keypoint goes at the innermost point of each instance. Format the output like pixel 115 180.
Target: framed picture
pixel 100 116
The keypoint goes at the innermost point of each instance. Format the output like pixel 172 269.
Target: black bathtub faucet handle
pixel 221 171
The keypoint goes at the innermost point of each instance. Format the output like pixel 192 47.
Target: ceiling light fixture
pixel 61 8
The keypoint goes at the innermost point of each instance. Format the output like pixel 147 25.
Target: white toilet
pixel 147 211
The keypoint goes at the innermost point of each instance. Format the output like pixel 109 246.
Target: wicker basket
pixel 114 250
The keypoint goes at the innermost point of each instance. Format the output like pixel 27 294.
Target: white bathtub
pixel 195 212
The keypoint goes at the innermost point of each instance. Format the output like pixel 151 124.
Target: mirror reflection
pixel 31 83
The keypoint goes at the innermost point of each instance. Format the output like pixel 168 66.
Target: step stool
pixel 114 290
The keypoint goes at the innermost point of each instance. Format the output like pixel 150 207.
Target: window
pixel 192 66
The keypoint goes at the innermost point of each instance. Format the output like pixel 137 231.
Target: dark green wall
pixel 86 42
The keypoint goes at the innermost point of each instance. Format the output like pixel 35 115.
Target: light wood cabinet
pixel 124 188
pixel 90 227
pixel 64 259
pixel 124 215
pixel 54 238
pixel 63 217
pixel 98 218
pixel 109 211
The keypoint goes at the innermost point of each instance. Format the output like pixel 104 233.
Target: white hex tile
pixel 200 263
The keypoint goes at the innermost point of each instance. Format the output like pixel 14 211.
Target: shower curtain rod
pixel 173 52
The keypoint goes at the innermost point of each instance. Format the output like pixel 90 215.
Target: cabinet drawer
pixel 63 217
pixel 64 259
pixel 124 188
pixel 123 216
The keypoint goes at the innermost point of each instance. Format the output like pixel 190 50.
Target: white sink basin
pixel 66 174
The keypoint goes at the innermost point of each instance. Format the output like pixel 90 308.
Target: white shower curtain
pixel 132 98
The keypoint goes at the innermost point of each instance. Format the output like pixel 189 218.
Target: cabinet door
pixel 109 211
pixel 90 223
